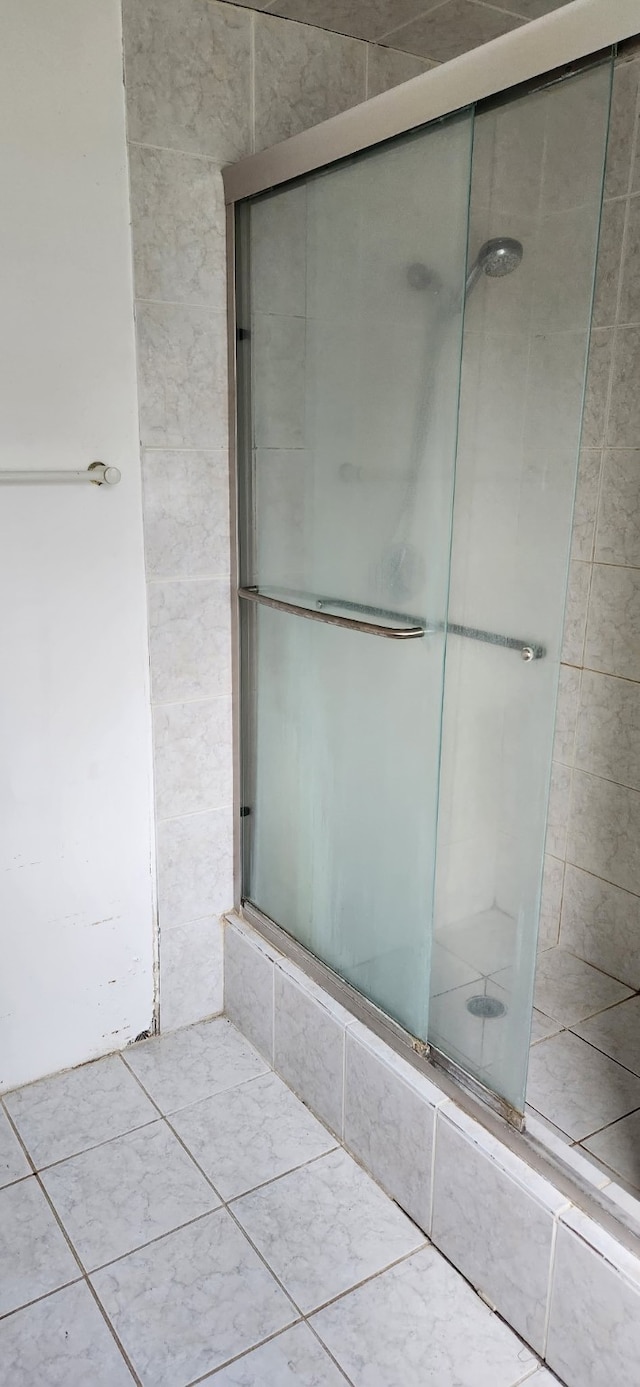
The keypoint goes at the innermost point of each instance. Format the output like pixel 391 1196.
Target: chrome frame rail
pixel 557 40
pixel 369 628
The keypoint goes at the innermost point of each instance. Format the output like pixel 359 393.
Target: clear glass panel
pixel 351 293
pixel 537 178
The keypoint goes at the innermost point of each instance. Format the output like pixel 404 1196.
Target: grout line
pixel 83 1272
pixel 176 149
pixel 550 1279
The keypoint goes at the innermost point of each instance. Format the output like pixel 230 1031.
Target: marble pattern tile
pixel 618 1146
pixel 553 1141
pixel 604 830
pixel 278 380
pixel 13 1162
pixel 189 640
pixel 543 1026
pixel 191 973
pixel 387 68
pixel 551 902
pixel 62 1341
pixel 368 21
pixel 249 985
pixel 592 1303
pixel 608 736
pixel 251 1134
pixel 34 1255
pixel 623 424
pixel 309 1049
pixel 452 28
pixel 186 514
pixel 597 388
pixel 421 1312
pixel 601 923
pixel 566 714
pixel 191 1301
pixel 617 1033
pixel 496 1230
pixel 569 990
pixel 618 534
pixel 578 1089
pixel 629 311
pixel 334 1208
pixel 193 756
pixel 195 867
pixel 294 1359
pixel 613 621
pixel 575 620
pixel 609 264
pixel 302 76
pixel 188 77
pixel 182 375
pixel 186 1066
pixel 61 1116
pixel 558 814
pixel 178 220
pixel 147 1182
pixel 621 128
pixel 389 1125
pixel 586 504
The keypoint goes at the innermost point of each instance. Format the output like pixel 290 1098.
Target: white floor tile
pixel 58 1117
pixel 13 1162
pixel 61 1341
pixel 294 1359
pixel 448 971
pixel 34 1255
pixel 577 1088
pixel 251 1134
pixel 191 1301
pixel 186 1066
pixel 145 1180
pixel 543 1026
pixel 487 941
pixel 569 990
pixel 420 1325
pixel 619 1147
pixel 325 1227
pixel 617 1033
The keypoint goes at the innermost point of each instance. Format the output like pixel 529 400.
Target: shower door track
pixel 422 1056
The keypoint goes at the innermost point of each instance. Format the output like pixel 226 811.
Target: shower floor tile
pixel 577 1088
pixel 618 1147
pixel 207 1301
pixel 616 1033
pixel 569 990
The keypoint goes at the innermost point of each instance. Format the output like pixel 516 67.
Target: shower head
pixel 496 258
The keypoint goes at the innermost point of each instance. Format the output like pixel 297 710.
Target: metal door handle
pixel 370 628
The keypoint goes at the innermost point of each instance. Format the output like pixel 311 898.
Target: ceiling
pixel 433 29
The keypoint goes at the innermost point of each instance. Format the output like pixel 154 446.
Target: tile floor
pixel 584 1070
pixel 175 1215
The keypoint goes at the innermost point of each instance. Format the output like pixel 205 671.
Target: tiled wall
pixel 206 83
pixel 556 1275
pixel 592 901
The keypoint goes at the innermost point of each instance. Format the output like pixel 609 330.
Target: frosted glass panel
pixel 351 292
pixel 537 179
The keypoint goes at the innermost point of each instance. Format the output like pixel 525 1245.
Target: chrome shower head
pixel 498 257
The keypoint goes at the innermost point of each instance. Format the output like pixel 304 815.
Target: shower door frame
pixel 554 46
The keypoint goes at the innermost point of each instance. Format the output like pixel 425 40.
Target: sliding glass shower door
pixel 413 332
pixel 350 309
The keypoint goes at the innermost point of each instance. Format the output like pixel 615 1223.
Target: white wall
pixel 76 895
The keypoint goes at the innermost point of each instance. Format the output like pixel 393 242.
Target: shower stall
pixel 411 320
